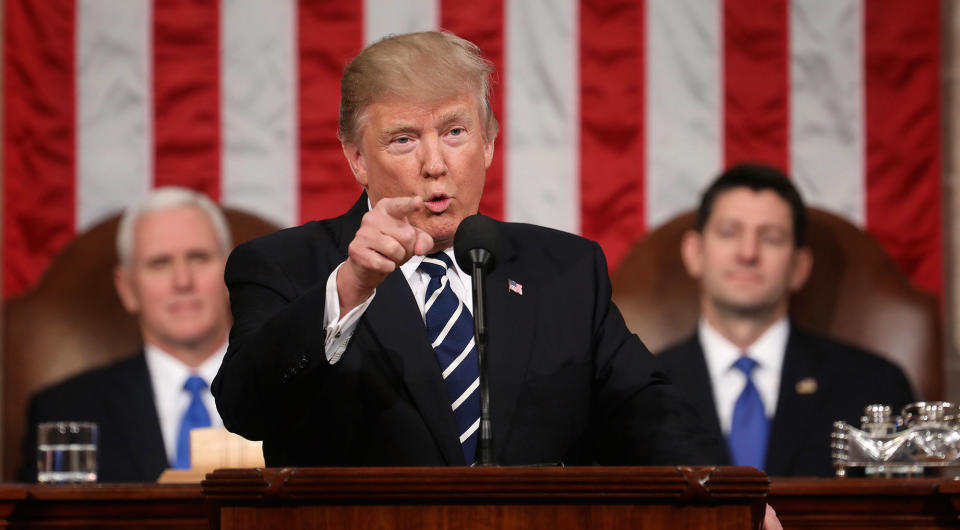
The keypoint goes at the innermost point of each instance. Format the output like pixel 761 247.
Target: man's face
pixel 746 258
pixel 434 151
pixel 174 280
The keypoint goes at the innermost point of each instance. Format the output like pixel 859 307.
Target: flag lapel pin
pixel 515 287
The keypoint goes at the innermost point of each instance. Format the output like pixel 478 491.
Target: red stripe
pixel 756 81
pixel 612 81
pixel 329 35
pixel 186 92
pixel 482 23
pixel 901 76
pixel 39 137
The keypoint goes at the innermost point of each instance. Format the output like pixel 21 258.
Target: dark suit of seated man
pixel 172 246
pixel 747 253
pixel 339 354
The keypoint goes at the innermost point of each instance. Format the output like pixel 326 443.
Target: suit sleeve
pixel 642 417
pixel 276 352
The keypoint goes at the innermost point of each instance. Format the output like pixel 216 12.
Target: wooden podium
pixel 485 498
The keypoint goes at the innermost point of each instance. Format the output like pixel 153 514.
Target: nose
pixel 432 161
pixel 748 247
pixel 182 276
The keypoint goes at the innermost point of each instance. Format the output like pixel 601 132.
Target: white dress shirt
pixel 728 382
pixel 340 330
pixel 167 375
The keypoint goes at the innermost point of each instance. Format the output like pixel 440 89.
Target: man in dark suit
pixel 771 391
pixel 335 358
pixel 172 247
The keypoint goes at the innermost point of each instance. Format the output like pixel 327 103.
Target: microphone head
pixel 476 241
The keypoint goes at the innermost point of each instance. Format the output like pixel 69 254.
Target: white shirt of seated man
pixel 728 382
pixel 167 375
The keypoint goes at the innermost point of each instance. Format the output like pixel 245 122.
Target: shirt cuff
pixel 340 330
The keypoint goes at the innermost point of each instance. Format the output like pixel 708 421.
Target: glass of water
pixel 67 451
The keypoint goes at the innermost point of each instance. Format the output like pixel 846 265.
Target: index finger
pixel 400 207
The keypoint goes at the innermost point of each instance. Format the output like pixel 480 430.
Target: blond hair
pixel 427 66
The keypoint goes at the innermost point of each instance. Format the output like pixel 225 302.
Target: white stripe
pixel 466 393
pixel 827 99
pixel 446 328
pixel 114 105
pixel 433 297
pixel 542 167
pixel 436 261
pixel 385 17
pixel 684 147
pixel 456 362
pixel 258 95
pixel 469 432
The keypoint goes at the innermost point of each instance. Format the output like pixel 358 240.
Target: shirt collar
pixel 166 367
pixel 768 350
pixel 413 264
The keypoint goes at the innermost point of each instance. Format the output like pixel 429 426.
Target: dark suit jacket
pixel 847 379
pixel 119 399
pixel 568 381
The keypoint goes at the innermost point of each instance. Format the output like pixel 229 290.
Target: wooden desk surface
pixel 98 506
pixel 866 503
pixel 800 502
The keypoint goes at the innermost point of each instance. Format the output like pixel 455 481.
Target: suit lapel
pixel 136 414
pixel 793 409
pixel 395 320
pixel 697 381
pixel 510 337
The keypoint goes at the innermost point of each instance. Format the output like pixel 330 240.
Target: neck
pixel 739 328
pixel 191 353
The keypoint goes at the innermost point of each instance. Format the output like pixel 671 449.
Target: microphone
pixel 475 246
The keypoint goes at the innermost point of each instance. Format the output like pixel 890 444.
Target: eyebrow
pixel 450 117
pixel 397 129
pixel 455 115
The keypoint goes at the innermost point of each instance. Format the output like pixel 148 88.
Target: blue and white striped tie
pixel 450 328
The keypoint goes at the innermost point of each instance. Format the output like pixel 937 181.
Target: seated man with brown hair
pixel 172 246
pixel 771 391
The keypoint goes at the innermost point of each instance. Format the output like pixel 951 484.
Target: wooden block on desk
pixel 216 447
pixel 212 448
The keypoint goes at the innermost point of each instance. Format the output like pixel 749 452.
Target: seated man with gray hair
pixel 172 246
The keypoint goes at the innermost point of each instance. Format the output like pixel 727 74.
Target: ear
pixel 802 266
pixel 125 290
pixel 488 152
pixel 691 251
pixel 357 163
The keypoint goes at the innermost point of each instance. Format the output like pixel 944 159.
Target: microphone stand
pixel 479 257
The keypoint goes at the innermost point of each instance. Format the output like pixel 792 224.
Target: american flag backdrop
pixel 614 113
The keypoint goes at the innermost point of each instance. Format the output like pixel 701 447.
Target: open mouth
pixel 438 203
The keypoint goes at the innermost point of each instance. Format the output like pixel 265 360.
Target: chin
pixel 750 308
pixel 442 232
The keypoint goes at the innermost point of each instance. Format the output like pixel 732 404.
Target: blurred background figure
pixel 771 389
pixel 172 247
